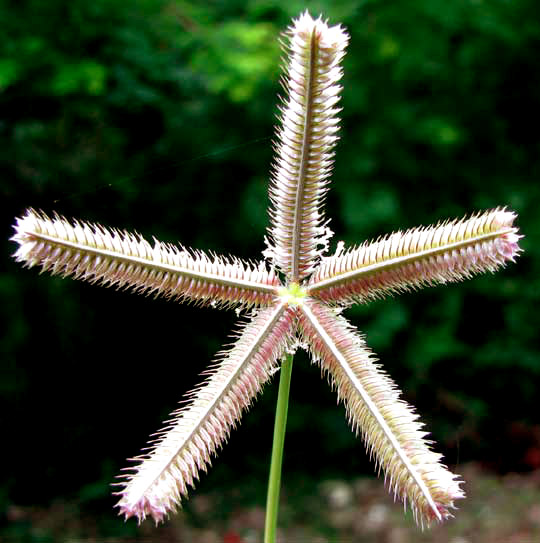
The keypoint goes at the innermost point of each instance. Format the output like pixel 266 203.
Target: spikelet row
pixel 115 258
pixel 304 146
pixel 451 251
pixel 185 446
pixel 387 424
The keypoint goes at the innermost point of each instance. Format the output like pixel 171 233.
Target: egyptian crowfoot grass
pixel 291 297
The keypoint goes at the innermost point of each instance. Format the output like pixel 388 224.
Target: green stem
pixel 274 481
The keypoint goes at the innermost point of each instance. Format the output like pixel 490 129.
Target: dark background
pixel 157 116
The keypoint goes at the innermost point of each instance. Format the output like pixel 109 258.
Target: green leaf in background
pixel 9 72
pixel 86 76
pixel 239 55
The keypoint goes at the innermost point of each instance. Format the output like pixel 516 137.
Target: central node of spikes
pixel 293 294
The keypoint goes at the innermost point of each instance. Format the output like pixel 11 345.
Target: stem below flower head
pixel 274 480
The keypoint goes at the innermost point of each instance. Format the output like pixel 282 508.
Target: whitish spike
pixel 387 424
pixel 197 431
pixel 304 149
pixel 451 251
pixel 113 258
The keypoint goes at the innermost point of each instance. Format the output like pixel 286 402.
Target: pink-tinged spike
pixel 114 258
pixel 451 251
pixel 185 446
pixel 388 425
pixel 298 234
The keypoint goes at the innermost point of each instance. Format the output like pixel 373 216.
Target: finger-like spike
pixel 114 258
pixel 388 425
pixel 451 251
pixel 298 234
pixel 163 476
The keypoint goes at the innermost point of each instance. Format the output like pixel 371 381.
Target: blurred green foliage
pixel 157 115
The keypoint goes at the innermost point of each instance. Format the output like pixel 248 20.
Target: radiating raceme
pixel 290 297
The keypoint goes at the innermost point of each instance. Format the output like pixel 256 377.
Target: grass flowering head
pixel 289 297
